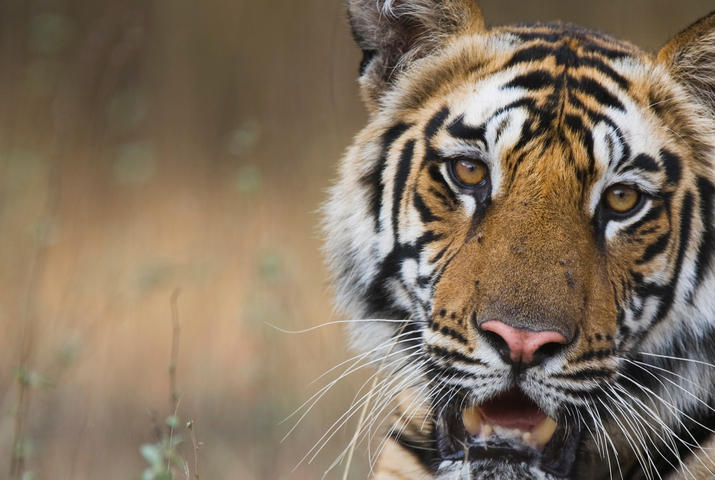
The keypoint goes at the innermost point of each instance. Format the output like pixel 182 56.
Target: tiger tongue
pixel 512 410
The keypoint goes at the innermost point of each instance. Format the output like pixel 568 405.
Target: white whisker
pixel 334 322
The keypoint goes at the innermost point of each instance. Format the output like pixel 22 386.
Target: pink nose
pixel 523 343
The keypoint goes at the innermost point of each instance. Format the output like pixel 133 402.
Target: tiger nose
pixel 520 345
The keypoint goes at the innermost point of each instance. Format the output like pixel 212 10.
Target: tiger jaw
pixel 509 429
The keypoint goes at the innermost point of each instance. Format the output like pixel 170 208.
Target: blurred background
pixel 150 146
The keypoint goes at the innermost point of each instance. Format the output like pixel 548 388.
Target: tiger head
pixel 523 239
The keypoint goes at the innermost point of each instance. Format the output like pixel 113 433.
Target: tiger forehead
pixel 549 54
pixel 569 96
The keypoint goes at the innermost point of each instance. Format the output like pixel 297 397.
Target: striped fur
pixel 558 114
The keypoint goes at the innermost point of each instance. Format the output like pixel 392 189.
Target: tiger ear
pixel 690 56
pixel 393 33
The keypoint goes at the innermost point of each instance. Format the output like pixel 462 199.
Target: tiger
pixel 522 241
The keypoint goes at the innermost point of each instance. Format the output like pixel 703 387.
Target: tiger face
pixel 527 219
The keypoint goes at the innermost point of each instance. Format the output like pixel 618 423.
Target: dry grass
pixel 149 146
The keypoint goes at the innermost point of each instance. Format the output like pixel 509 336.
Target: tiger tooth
pixel 487 430
pixel 543 432
pixel 472 419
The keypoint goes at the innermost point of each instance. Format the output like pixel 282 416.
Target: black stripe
pixel 442 198
pixel 595 117
pixel 378 297
pixel 686 213
pixel 535 80
pixel 587 44
pixel 599 65
pixel 596 90
pixel 401 176
pixel 500 128
pixel 593 354
pixel 645 162
pixel 706 250
pixel 609 53
pixel 566 56
pixel 453 355
pixel 447 196
pixel 549 36
pixel 574 123
pixel 428 237
pixel 373 180
pixel 426 214
pixel 655 248
pixel 438 255
pixel 587 374
pixel 450 332
pixel 461 130
pixel 529 103
pixel 530 54
pixel 436 122
pixel 653 214
pixel 671 163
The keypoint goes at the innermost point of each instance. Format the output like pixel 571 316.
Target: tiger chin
pixel 524 236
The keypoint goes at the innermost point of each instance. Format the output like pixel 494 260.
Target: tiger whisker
pixel 669 441
pixel 381 404
pixel 392 342
pixel 407 415
pixel 333 322
pixel 665 402
pixel 628 437
pixel 672 409
pixel 631 413
pixel 606 437
pixel 337 425
pixel 684 390
pixel 347 371
pixel 682 359
pixel 323 391
pixel 681 377
pixel 432 389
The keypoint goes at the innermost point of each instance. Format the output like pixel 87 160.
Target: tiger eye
pixel 470 172
pixel 621 198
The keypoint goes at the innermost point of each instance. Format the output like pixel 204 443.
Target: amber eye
pixel 469 173
pixel 622 198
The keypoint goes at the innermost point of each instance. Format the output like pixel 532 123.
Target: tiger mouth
pixel 511 428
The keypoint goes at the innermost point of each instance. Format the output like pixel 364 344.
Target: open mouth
pixel 509 427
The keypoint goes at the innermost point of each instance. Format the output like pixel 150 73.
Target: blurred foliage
pixel 49 33
pixel 248 179
pixel 135 163
pixel 243 138
pixel 127 109
pixel 162 457
pixel 270 266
